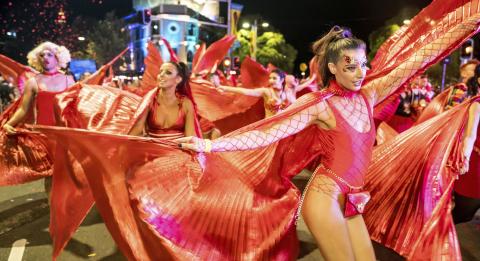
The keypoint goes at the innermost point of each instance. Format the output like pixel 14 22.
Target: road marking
pixel 18 247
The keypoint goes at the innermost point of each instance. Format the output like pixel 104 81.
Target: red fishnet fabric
pixel 256 139
pixel 323 184
pixel 351 149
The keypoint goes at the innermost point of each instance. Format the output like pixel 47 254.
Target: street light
pixel 227 62
pixel 253 36
pixel 466 52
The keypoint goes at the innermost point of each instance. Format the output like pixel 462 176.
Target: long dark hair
pixel 184 73
pixel 328 49
pixel 281 74
pixel 472 83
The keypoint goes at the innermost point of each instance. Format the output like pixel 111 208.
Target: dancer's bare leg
pixel 360 239
pixel 323 215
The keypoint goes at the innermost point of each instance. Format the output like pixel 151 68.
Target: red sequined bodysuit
pixel 156 130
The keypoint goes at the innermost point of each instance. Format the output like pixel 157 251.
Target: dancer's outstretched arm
pixel 307 83
pixel 316 114
pixel 256 92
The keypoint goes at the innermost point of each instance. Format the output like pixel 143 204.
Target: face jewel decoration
pixel 351 60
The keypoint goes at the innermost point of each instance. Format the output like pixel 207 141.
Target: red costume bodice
pixel 349 154
pixel 44 107
pixel 156 130
pixel 276 107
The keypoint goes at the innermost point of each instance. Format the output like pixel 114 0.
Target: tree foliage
pixel 379 36
pixel 105 38
pixel 271 48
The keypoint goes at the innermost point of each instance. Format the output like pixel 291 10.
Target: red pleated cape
pixel 411 203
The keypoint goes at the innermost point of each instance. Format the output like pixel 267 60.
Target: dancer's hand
pixel 216 83
pixel 9 129
pixel 220 89
pixel 195 144
pixel 466 166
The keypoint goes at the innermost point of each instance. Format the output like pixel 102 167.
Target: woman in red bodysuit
pixel 345 119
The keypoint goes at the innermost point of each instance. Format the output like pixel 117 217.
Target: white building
pixel 183 23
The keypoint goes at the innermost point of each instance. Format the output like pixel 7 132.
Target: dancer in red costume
pixel 467 187
pixel 48 59
pixel 276 97
pixel 20 153
pixel 347 121
pixel 466 194
pixel 171 113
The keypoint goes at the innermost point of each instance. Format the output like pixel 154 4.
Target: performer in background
pixel 48 58
pixel 467 187
pixel 171 114
pixel 36 106
pixel 276 97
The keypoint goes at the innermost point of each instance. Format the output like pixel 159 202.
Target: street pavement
pixel 24 219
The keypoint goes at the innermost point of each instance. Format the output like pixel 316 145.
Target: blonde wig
pixel 61 53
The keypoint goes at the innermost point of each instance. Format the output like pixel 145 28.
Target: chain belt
pixel 331 172
pixel 297 215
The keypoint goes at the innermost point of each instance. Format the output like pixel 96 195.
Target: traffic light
pixel 144 16
pixel 236 63
pixel 147 16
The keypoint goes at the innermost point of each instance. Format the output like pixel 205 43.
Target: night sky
pixel 306 21
pixel 301 22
